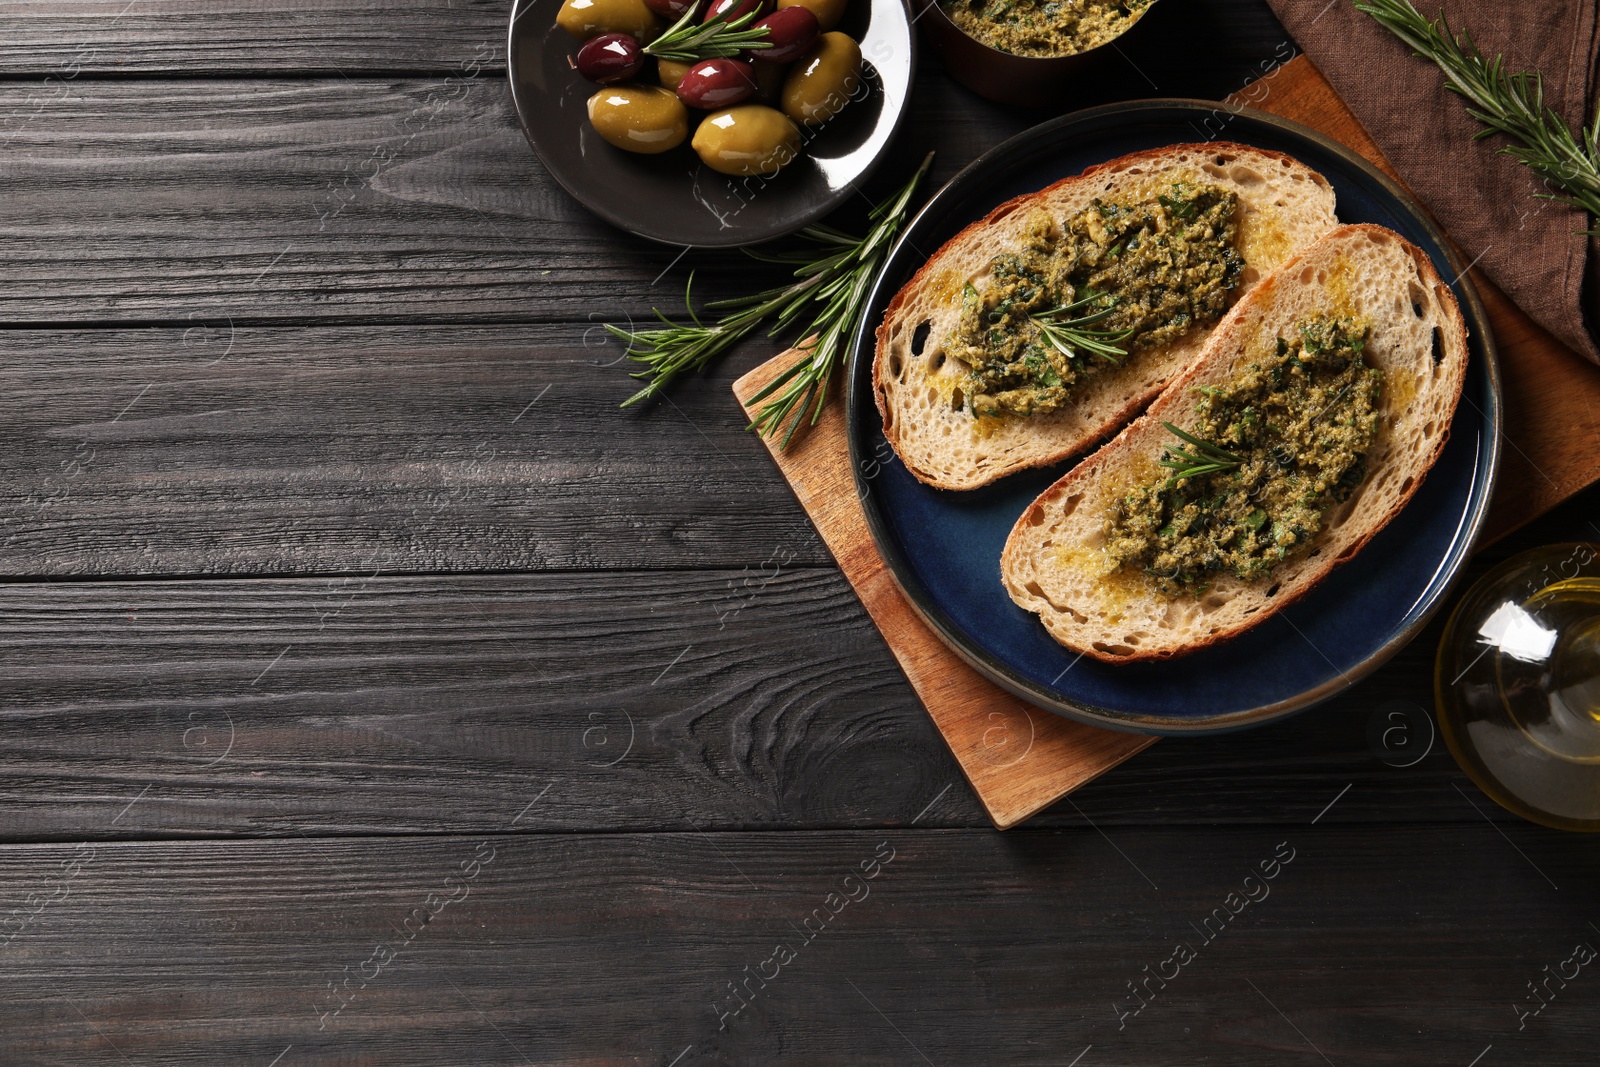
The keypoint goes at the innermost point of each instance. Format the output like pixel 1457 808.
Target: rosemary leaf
pixel 1509 104
pixel 689 40
pixel 1068 333
pixel 1207 457
pixel 833 274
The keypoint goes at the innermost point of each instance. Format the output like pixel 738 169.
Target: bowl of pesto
pixel 1026 52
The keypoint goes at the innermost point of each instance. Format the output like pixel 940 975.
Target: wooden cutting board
pixel 1020 759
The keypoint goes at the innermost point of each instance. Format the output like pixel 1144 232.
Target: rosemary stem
pixel 1505 103
pixel 832 281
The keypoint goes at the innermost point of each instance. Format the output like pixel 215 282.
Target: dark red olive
pixel 717 83
pixel 670 9
pixel 734 8
pixel 609 58
pixel 790 32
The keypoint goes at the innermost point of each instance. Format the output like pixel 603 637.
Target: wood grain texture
pixel 448 711
pixel 355 38
pixel 1552 394
pixel 756 697
pixel 220 450
pixel 966 948
pixel 368 200
pixel 332 200
pixel 340 201
pixel 96 38
pixel 1018 759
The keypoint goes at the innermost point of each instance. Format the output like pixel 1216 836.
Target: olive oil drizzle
pixel 1264 459
pixel 1116 278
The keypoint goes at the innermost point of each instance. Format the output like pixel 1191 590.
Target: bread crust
pixel 1119 405
pixel 1335 544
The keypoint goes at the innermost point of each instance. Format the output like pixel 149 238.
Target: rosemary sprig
pixel 678 348
pixel 1070 333
pixel 1510 104
pixel 1206 457
pixel 833 275
pixel 687 40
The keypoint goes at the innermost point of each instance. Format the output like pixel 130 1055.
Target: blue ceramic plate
pixel 944 547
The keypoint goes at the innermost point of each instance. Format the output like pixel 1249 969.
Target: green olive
pixel 670 72
pixel 746 140
pixel 639 118
pixel 821 81
pixel 590 18
pixel 828 12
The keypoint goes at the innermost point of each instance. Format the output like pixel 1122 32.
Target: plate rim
pixel 734 239
pixel 858 399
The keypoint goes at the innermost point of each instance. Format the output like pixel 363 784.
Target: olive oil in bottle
pixel 1518 685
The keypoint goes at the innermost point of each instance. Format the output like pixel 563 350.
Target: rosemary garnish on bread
pixel 1207 457
pixel 1068 332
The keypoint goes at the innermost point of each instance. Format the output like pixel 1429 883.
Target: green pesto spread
pixel 1044 27
pixel 1162 266
pixel 1298 424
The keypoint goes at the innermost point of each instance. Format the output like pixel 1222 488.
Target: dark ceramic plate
pixel 672 197
pixel 944 548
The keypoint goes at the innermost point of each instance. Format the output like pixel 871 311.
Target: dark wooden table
pixel 371 693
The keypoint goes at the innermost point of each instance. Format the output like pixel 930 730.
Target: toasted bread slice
pixel 1284 205
pixel 1054 562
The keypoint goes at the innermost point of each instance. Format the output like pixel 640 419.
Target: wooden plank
pixel 89 38
pixel 316 706
pixel 340 201
pixel 259 201
pixel 1019 759
pixel 364 37
pixel 213 450
pixel 1552 394
pixel 965 947
pixel 753 697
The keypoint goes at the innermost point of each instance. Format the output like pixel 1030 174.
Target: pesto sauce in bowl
pixel 1162 266
pixel 1044 28
pixel 1288 441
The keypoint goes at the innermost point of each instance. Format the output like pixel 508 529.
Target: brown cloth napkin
pixel 1485 200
